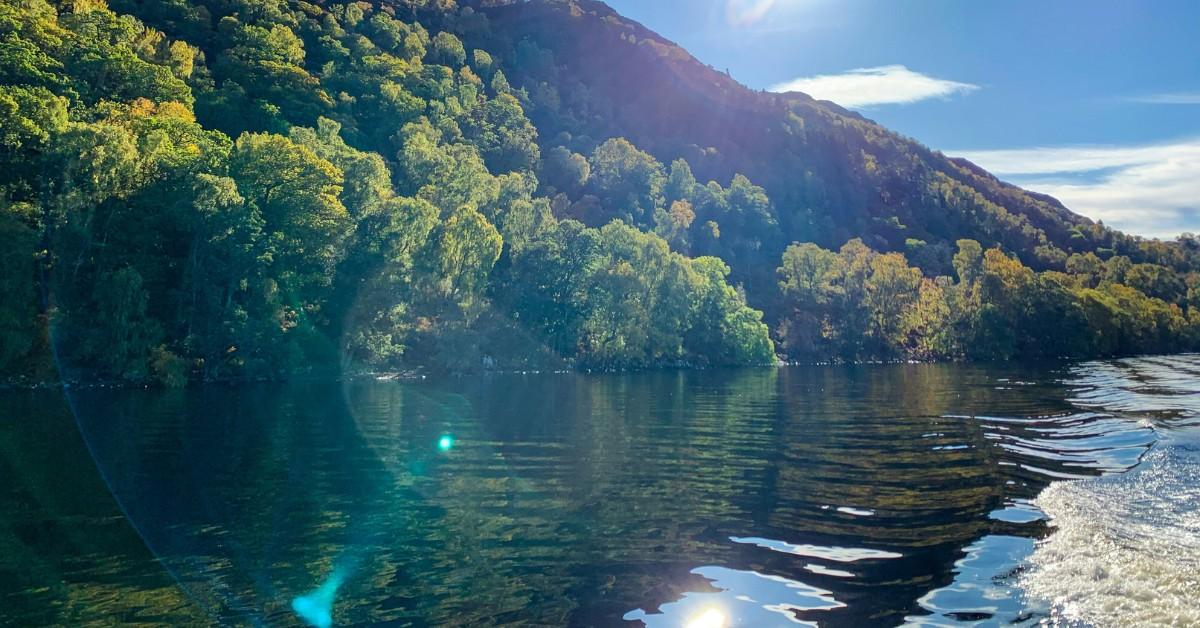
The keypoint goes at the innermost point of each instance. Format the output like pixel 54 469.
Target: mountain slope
pixel 831 173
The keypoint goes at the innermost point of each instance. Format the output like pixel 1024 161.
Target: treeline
pixel 859 304
pixel 291 188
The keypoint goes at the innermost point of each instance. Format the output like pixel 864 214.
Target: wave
pixel 1125 549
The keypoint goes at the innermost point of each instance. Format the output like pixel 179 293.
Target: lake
pixel 839 496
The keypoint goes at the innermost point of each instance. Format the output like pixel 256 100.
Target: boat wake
pixel 1126 547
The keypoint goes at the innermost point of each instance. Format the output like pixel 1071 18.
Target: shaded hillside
pixel 831 173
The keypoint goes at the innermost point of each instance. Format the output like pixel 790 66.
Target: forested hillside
pixel 226 189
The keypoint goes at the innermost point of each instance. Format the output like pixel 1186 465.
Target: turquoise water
pixel 838 496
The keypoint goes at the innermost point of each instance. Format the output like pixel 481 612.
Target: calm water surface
pixel 838 496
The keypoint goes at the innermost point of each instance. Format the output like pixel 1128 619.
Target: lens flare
pixel 446 442
pixel 316 608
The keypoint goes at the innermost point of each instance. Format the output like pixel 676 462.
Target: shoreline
pixel 422 373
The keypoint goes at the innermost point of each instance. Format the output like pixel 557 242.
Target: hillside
pixel 227 189
pixel 831 173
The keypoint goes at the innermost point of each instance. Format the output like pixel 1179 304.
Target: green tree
pixel 120 334
pixel 801 282
pixel 505 137
pixel 447 50
pixel 627 180
pixel 297 194
pixel 459 256
pixel 565 171
pixel 726 330
pixel 447 175
pixel 1156 281
pixel 673 225
pixel 892 291
pixel 845 288
pixel 926 325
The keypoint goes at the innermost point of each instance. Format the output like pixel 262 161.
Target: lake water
pixel 838 496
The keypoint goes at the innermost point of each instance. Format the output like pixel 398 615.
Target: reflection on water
pixel 742 598
pixel 841 496
pixel 984 587
pixel 67 555
pixel 837 554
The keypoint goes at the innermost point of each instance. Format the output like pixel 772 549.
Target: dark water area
pixel 838 496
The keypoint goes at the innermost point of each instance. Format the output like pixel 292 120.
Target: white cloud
pixel 1151 190
pixel 1169 98
pixel 864 87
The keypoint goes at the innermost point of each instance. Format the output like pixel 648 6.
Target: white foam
pixel 1126 551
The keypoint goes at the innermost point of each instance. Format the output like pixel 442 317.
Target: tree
pixel 968 262
pixel 681 183
pixel 297 194
pixel 367 180
pixel 482 63
pixel 380 317
pixel 447 50
pixel 544 284
pixel 1087 265
pixel 725 330
pixel 109 57
pixel 386 204
pixel 892 290
pixel 627 180
pixel 267 64
pixel 120 334
pixel 505 137
pixel 447 175
pixel 565 171
pixel 637 301
pixel 673 225
pixel 1156 281
pixel 29 116
pixel 802 275
pixel 459 255
pixel 926 326
pixel 845 287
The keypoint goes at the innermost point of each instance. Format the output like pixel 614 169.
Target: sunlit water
pixel 837 496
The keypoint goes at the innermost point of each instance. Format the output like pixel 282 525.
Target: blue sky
pixel 1096 102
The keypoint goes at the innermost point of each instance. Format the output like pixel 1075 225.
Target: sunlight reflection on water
pixel 750 599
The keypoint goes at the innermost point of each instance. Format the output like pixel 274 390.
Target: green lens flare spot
pixel 446 442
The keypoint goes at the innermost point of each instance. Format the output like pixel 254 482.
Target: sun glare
pixel 746 12
pixel 709 618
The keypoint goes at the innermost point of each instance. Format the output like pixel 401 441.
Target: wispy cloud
pixel 747 12
pixel 1168 98
pixel 883 85
pixel 1150 190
